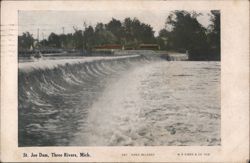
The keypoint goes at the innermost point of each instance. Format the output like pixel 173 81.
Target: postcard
pixel 125 81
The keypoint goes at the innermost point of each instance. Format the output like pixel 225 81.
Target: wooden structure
pixel 108 46
pixel 149 47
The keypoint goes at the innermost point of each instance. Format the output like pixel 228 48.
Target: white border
pixel 234 84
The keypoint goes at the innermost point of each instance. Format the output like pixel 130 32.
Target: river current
pixel 121 102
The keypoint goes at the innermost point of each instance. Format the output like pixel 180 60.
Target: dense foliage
pixel 128 32
pixel 25 41
pixel 182 32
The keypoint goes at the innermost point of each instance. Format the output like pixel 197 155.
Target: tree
pixel 147 34
pixel 88 36
pixel 187 33
pixel 99 27
pixel 162 39
pixel 104 37
pixel 101 35
pixel 115 27
pixel 54 40
pixel 214 34
pixel 136 32
pixel 78 39
pixel 128 33
pixel 69 41
pixel 25 41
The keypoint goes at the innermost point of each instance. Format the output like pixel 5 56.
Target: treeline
pixel 182 32
pixel 130 32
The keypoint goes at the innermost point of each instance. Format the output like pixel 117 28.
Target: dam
pixel 133 100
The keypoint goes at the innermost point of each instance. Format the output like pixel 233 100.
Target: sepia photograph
pixel 124 81
pixel 139 78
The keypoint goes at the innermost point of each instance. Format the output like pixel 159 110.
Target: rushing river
pixel 132 102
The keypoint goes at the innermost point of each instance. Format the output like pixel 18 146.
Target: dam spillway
pixel 118 101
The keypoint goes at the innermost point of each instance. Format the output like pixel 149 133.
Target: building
pixel 106 50
pixel 149 47
pixel 108 47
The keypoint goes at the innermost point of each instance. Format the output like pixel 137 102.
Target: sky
pixel 59 21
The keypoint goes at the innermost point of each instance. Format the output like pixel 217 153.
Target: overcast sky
pixel 54 21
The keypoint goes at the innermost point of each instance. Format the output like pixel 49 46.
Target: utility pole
pixel 43 39
pixel 38 34
pixel 63 38
pixel 63 30
pixel 84 46
pixel 84 25
pixel 37 46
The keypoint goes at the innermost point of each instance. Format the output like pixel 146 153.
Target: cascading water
pixel 52 102
pixel 121 101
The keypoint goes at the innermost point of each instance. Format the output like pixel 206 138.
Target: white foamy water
pixel 29 66
pixel 160 103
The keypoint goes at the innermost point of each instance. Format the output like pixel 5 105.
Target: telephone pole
pixel 38 34
pixel 43 39
pixel 63 30
pixel 84 39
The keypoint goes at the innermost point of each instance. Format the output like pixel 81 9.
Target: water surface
pixel 126 102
